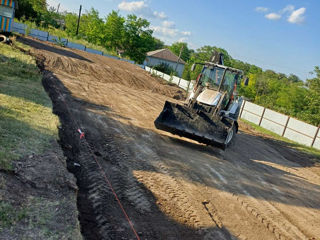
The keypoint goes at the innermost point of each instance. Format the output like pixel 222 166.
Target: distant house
pixel 157 57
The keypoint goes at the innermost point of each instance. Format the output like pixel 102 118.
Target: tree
pixel 31 9
pixel 176 48
pixel 114 31
pixel 137 38
pixel 313 98
pixel 71 24
pixel 92 27
pixel 294 78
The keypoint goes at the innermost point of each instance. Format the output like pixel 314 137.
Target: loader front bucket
pixel 186 122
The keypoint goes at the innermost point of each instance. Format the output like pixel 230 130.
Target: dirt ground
pixel 42 196
pixel 170 187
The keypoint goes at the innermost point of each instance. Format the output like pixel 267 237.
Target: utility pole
pixel 179 57
pixel 79 20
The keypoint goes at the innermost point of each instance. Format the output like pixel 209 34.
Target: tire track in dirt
pixel 267 214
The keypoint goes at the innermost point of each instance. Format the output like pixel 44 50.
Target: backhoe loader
pixel 211 111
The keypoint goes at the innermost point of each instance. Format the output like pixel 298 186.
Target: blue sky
pixel 280 35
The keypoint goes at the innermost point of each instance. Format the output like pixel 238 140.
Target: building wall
pixel 151 61
pixel 6 20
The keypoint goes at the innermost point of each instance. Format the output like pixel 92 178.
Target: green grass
pixel 27 124
pixel 301 147
pixel 9 215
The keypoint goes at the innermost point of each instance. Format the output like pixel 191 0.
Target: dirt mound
pixel 95 68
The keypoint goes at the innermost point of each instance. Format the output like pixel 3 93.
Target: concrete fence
pixel 281 124
pixel 184 84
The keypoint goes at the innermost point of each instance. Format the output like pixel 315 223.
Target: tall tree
pixel 137 38
pixel 114 31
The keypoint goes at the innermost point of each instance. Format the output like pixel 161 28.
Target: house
pixel 6 15
pixel 157 57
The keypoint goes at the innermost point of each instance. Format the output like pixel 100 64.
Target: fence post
pixel 315 137
pixel 264 110
pixel 285 127
pixel 244 104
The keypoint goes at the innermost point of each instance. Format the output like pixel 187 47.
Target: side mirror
pixel 246 82
pixel 193 67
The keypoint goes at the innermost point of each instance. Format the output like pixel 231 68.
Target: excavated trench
pixel 70 144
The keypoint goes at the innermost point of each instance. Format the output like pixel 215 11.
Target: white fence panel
pixel 175 80
pixel 19 28
pixel 300 132
pixel 274 121
pixel 317 143
pixel 147 69
pixel 41 35
pixel 160 74
pixel 76 46
pixel 252 112
pixel 184 84
pixel 166 77
pixel 297 137
pixel 90 50
pixel 302 127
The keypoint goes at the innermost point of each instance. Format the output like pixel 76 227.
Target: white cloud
pixel 142 8
pixel 186 33
pixel 132 6
pixel 183 39
pixel 262 9
pixel 273 16
pixel 297 16
pixel 168 24
pixel 165 31
pixel 160 15
pixel 293 16
pixel 288 8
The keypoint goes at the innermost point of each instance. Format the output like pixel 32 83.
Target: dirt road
pixel 170 187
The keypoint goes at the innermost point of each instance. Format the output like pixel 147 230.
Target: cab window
pixel 212 76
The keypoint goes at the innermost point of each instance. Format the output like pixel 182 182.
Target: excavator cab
pixel 211 111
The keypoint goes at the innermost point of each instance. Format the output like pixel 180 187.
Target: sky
pixel 282 35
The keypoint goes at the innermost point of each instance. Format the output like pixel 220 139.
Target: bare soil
pixel 170 187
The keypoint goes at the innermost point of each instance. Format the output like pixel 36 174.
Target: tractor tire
pixel 3 38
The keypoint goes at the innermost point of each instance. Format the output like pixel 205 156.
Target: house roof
pixel 165 54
